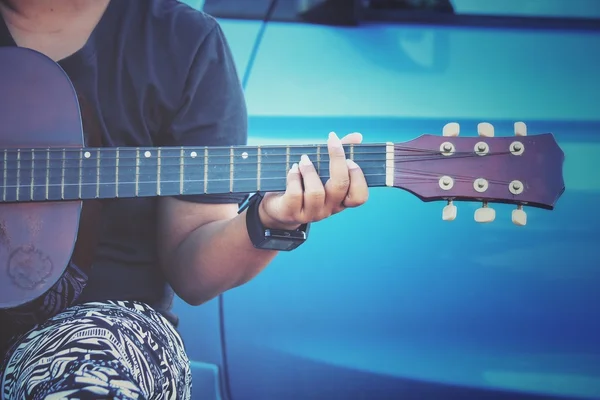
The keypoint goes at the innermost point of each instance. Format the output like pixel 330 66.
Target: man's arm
pixel 203 244
pixel 205 248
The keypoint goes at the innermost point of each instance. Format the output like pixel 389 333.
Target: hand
pixel 306 199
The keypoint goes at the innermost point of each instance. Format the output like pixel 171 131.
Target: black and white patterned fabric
pixel 101 350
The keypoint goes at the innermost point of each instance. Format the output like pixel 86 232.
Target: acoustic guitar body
pixel 38 108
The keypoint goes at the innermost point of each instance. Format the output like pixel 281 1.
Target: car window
pixel 578 13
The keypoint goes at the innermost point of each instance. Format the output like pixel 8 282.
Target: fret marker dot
pixel 193 154
pixel 87 154
pixel 147 154
pixel 244 155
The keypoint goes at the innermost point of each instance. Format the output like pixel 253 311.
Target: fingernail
pixel 351 164
pixel 333 137
pixel 304 160
pixel 294 168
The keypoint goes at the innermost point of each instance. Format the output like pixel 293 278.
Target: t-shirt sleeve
pixel 212 110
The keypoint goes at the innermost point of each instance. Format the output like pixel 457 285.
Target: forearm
pixel 213 258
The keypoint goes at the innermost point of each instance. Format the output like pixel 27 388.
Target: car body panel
pixel 388 298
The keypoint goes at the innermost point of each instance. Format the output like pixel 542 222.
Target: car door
pixel 388 300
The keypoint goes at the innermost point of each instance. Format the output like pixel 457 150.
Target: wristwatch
pixel 267 238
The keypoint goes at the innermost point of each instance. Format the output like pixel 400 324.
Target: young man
pixel 152 73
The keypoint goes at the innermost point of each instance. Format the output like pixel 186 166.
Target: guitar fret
pixel 137 172
pixel 287 158
pixel 47 174
pixel 80 177
pixel 4 176
pixel 318 158
pixel 206 170
pixel 117 173
pixel 352 151
pixel 18 172
pixel 181 161
pixel 62 176
pixel 231 169
pixel 158 171
pixel 32 183
pixel 258 167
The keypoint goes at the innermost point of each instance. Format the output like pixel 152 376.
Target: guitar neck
pixel 49 174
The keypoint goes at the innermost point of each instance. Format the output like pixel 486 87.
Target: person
pixel 153 73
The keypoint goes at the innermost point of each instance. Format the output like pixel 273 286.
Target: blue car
pixel 390 301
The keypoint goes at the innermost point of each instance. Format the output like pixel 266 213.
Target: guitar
pixel 48 174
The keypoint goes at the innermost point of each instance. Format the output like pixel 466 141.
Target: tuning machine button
pixel 451 129
pixel 520 129
pixel 519 216
pixel 485 129
pixel 485 214
pixel 449 212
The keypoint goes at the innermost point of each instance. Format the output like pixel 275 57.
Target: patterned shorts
pixel 105 350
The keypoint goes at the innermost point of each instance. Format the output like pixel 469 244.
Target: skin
pixel 195 240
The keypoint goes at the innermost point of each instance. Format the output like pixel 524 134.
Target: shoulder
pixel 170 45
pixel 175 39
pixel 177 27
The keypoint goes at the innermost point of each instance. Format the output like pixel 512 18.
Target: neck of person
pixel 48 16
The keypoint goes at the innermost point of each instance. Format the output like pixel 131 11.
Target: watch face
pixel 279 244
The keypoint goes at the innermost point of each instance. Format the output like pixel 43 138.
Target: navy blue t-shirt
pixel 153 73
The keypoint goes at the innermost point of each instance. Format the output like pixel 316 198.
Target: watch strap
pixel 268 238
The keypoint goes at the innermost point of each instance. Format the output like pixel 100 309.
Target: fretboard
pixel 43 174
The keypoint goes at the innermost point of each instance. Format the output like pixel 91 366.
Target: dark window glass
pixel 504 13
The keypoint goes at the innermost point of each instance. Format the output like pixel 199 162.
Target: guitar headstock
pixel 520 170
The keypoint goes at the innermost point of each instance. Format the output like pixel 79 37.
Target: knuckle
pixel 294 195
pixel 356 200
pixel 339 209
pixel 316 194
pixel 302 218
pixel 322 214
pixel 341 184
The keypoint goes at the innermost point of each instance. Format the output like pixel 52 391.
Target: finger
pixel 352 138
pixel 337 186
pixel 314 192
pixel 292 199
pixel 358 193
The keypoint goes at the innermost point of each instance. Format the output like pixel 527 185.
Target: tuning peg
pixel 519 216
pixel 520 129
pixel 485 214
pixel 449 212
pixel 485 129
pixel 451 129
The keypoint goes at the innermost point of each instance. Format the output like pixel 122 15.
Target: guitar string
pixel 26 163
pixel 265 181
pixel 210 148
pixel 433 174
pixel 69 176
pixel 201 149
